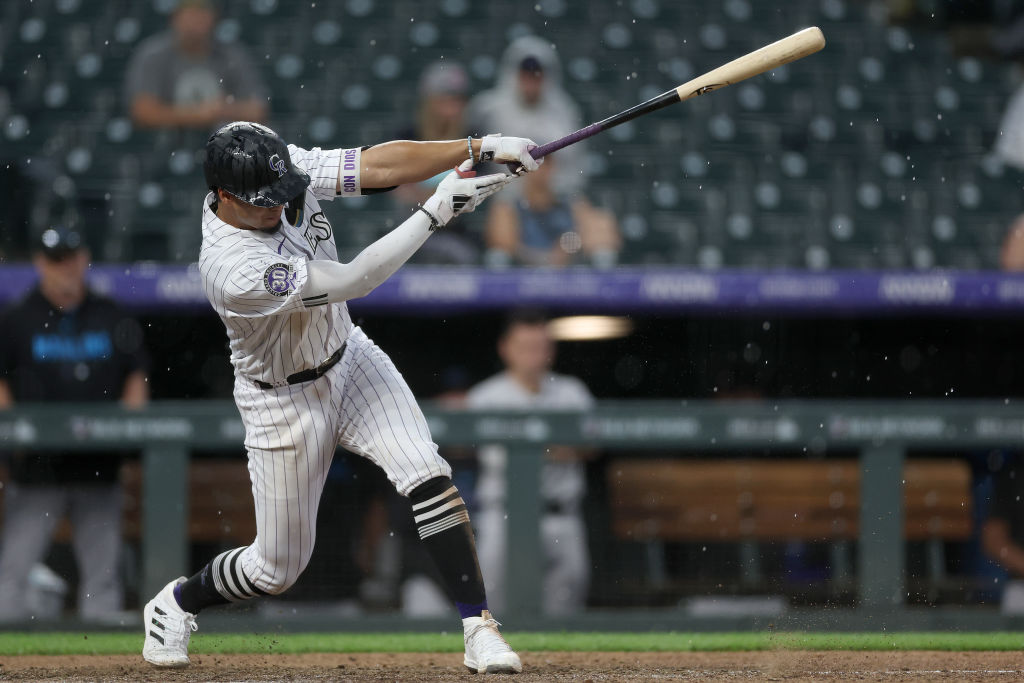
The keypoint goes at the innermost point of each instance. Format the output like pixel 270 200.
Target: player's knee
pixel 430 476
pixel 437 507
pixel 275 585
pixel 277 577
pixel 430 489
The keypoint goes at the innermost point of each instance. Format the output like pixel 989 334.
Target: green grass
pixel 127 643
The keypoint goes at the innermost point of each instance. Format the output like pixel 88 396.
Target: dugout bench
pixel 880 431
pixel 748 502
pixel 657 501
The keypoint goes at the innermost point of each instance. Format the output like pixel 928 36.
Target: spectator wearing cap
pixel 529 99
pixel 64 342
pixel 443 93
pixel 183 78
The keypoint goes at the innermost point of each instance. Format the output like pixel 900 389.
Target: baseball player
pixel 307 379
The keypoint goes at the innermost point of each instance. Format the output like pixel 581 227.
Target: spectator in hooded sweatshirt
pixel 529 100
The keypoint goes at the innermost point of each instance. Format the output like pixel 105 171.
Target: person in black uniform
pixel 63 342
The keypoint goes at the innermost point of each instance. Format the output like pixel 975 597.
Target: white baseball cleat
pixel 486 651
pixel 168 629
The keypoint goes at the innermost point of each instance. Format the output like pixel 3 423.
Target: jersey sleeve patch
pixel 279 279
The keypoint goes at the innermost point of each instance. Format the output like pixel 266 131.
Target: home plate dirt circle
pixel 776 665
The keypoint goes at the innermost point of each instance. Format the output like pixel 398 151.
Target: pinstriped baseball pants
pixel 291 433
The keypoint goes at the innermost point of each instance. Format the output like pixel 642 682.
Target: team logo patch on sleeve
pixel 279 279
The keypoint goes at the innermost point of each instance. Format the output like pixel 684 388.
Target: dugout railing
pixel 881 432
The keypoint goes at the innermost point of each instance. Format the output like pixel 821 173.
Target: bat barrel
pixel 791 48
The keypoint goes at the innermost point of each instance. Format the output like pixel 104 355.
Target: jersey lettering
pixel 86 346
pixel 318 231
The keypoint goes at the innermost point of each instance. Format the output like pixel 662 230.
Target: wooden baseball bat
pixel 789 49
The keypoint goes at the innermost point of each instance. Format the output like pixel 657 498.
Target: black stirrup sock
pixel 443 524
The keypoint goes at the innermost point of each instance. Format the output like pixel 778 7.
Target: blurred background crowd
pixel 897 147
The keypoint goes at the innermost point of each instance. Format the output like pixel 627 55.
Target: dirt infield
pixel 538 666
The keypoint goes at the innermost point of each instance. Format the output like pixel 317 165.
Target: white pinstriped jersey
pixel 255 278
pixel 257 282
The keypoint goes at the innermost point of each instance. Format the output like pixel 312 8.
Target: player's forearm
pixel 373 265
pixel 406 161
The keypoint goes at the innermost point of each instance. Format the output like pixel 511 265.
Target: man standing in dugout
pixel 64 342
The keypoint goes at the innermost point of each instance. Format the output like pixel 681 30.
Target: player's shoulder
pixel 305 158
pixel 231 252
pixel 219 244
pixel 237 252
pixel 312 153
pixel 309 158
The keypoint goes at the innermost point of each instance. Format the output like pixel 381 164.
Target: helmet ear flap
pixel 293 210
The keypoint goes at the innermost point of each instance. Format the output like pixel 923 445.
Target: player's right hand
pixel 461 192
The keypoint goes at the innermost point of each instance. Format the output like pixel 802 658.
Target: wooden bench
pixel 753 501
pixel 220 503
pixel 733 500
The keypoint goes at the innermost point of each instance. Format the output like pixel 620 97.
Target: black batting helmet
pixel 251 162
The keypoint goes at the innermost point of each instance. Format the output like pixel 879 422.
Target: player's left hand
pixel 461 192
pixel 512 151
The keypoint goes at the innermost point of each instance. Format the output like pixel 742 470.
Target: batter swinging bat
pixel 790 49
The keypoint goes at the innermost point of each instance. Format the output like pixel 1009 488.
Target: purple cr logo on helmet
pixel 277 164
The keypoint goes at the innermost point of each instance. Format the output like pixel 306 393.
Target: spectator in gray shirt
pixel 182 78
